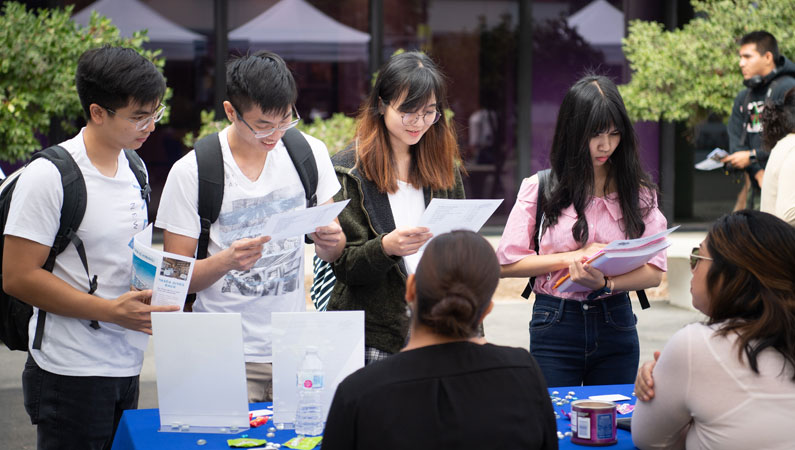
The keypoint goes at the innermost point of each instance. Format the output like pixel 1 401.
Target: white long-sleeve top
pixel 707 398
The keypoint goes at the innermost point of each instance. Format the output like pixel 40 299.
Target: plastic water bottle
pixel 309 416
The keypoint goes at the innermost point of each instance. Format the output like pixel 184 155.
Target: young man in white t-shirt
pixel 244 271
pixel 81 379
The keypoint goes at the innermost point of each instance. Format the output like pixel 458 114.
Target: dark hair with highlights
pixel 414 76
pixel 778 119
pixel 589 108
pixel 262 79
pixel 112 77
pixel 751 283
pixel 455 280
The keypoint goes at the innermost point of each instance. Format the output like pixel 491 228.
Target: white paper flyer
pixel 166 274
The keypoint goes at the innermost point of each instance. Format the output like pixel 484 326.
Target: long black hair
pixel 589 108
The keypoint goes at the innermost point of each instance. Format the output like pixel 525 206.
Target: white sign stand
pixel 339 338
pixel 201 374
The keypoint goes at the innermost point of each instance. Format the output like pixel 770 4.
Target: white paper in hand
pixel 445 215
pixel 302 221
pixel 712 161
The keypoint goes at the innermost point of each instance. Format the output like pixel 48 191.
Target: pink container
pixel 593 422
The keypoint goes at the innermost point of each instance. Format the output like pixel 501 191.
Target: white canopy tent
pixel 176 42
pixel 602 26
pixel 298 31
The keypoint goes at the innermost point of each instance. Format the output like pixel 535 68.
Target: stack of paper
pixel 620 257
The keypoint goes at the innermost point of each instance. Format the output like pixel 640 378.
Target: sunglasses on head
pixel 695 257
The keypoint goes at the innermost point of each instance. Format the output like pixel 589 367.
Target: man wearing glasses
pixel 83 373
pixel 244 271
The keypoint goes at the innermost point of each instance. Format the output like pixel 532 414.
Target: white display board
pixel 339 338
pixel 201 373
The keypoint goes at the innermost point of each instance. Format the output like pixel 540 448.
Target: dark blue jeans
pixel 585 342
pixel 75 412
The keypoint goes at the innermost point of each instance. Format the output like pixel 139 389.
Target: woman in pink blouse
pixel 600 194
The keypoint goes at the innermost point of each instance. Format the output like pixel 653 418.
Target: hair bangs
pixel 420 87
pixel 604 115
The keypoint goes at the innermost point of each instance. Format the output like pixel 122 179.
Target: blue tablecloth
pixel 581 392
pixel 138 428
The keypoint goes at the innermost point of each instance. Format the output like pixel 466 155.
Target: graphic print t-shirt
pixel 276 281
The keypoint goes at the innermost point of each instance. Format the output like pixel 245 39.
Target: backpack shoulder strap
pixel 543 192
pixel 139 170
pixel 304 162
pixel 72 211
pixel 210 162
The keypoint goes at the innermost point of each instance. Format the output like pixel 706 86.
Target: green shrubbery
pixel 38 58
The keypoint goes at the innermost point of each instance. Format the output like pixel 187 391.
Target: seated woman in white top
pixel 778 185
pixel 729 383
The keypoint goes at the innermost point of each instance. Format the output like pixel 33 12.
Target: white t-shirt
pixel 705 397
pixel 115 212
pixel 276 282
pixel 407 205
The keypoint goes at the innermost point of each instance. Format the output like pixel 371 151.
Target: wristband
pixel 603 290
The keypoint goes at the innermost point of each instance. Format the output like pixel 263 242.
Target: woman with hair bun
pixel 446 389
pixel 728 383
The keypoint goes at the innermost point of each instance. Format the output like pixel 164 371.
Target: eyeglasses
pixel 142 124
pixel 428 118
pixel 265 133
pixel 695 257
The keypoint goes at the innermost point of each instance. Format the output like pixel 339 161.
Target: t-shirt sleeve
pixel 516 242
pixel 327 183
pixel 178 211
pixel 35 210
pixel 664 421
pixel 655 222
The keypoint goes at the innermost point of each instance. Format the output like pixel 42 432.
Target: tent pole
pixel 221 53
pixel 376 34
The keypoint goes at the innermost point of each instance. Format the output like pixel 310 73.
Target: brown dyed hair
pixel 414 77
pixel 751 283
pixel 455 280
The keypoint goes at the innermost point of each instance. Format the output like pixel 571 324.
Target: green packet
pixel 303 443
pixel 246 442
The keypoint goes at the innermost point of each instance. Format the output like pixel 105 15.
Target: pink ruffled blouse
pixel 604 225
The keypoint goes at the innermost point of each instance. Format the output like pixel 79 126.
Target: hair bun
pixel 455 314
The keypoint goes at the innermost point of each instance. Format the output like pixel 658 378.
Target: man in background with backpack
pixel 243 271
pixel 766 75
pixel 82 372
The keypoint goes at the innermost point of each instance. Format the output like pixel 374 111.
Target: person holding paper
pixel 245 271
pixel 404 154
pixel 778 133
pixel 446 389
pixel 728 383
pixel 84 373
pixel 599 193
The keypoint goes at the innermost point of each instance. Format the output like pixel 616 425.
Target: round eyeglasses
pixel 265 133
pixel 695 257
pixel 142 124
pixel 409 119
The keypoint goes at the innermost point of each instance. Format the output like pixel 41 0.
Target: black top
pixel 450 396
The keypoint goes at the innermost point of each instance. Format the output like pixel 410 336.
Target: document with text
pixel 445 215
pixel 302 221
pixel 166 274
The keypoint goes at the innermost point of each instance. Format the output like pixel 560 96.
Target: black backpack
pixel 15 314
pixel 546 183
pixel 210 162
